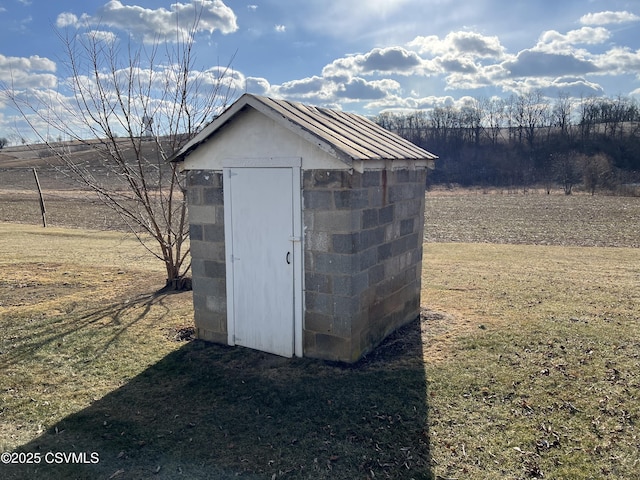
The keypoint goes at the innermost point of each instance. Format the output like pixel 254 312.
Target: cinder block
pixel 208 250
pixel 342 325
pixel 376 274
pixel 217 304
pixel 385 214
pixel 404 191
pixel 409 209
pixel 328 179
pixel 346 306
pixel 345 242
pixel 350 285
pixel 213 233
pixel 194 196
pixel 318 241
pixel 195 232
pixel 406 226
pixel 318 282
pixel 344 221
pixel 318 199
pixel 391 232
pixel 211 336
pixel 318 322
pixel 203 214
pixel 204 178
pixel 368 258
pixel 334 348
pixel 197 267
pixel 377 197
pixel 214 269
pixel 370 218
pixel 319 303
pixel 212 196
pixel 405 176
pixel 333 263
pixel 354 198
pixel 384 252
pixel 371 178
pixel 204 286
pixel 372 237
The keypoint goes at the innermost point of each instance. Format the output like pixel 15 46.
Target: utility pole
pixel 42 209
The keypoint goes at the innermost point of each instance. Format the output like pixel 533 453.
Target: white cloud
pixel 150 24
pixel 554 42
pixel 608 17
pixel 280 28
pixel 102 36
pixel 573 86
pixel 252 8
pixel 531 63
pixel 465 43
pixel 257 85
pixel 302 87
pixel 66 19
pixel 27 72
pixel 619 60
pixel 391 60
pixel 360 89
pixel 32 63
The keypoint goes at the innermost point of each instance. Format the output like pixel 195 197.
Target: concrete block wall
pixel 206 229
pixel 363 258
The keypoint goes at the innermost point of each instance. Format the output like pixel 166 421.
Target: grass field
pixel 525 363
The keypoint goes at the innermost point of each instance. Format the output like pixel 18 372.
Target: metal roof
pixel 346 136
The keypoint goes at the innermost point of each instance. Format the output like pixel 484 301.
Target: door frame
pixel 294 163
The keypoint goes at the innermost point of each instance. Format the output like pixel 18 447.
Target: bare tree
pixel 596 171
pixel 567 169
pixel 562 110
pixel 133 107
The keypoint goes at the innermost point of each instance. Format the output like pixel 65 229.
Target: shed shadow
pixel 210 411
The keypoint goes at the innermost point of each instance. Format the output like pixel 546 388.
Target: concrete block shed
pixel 306 229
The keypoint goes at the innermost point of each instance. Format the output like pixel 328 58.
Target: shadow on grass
pixel 210 411
pixel 121 316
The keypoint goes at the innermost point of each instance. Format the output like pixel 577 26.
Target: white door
pixel 260 255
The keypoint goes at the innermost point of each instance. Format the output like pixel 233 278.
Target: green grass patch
pixel 537 375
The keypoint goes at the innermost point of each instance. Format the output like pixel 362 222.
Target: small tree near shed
pixel 133 108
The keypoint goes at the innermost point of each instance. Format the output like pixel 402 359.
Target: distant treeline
pixel 527 140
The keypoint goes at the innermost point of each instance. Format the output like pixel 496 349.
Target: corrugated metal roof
pixel 347 136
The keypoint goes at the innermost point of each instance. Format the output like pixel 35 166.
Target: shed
pixel 306 229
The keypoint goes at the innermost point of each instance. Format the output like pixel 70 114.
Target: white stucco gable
pixel 253 135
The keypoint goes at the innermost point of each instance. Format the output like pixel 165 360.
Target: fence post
pixel 42 209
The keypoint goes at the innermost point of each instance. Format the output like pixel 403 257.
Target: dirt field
pixel 534 219
pixel 459 216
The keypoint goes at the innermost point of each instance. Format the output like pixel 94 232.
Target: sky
pixel 363 56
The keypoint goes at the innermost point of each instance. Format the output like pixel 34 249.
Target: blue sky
pixel 365 56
